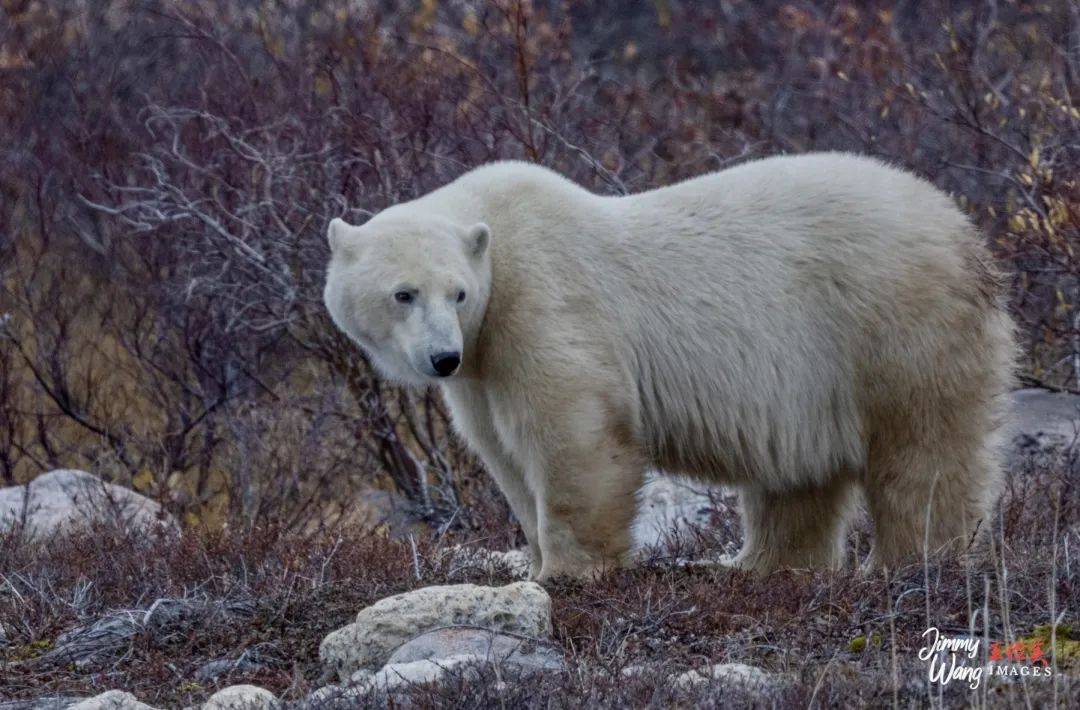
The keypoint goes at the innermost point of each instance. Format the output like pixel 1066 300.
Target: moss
pixel 1066 648
pixel 31 650
pixel 1064 631
pixel 858 644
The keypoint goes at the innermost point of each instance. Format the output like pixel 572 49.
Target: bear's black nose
pixel 445 363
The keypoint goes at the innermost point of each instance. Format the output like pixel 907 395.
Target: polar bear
pixel 806 329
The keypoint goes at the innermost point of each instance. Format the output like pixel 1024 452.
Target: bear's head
pixel 410 291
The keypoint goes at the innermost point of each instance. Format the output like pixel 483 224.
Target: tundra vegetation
pixel 167 171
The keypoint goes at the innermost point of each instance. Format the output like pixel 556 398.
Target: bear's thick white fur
pixel 798 327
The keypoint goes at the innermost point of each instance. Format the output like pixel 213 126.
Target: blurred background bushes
pixel 167 171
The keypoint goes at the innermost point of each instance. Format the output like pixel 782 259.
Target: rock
pixel 1042 415
pixel 425 658
pixel 111 700
pixel 397 675
pixel 241 697
pixel 516 562
pixel 373 508
pixel 738 674
pixel 112 634
pixel 668 505
pixel 212 670
pixel 361 677
pixel 331 697
pixel 169 617
pixel 521 608
pixel 325 694
pixel 484 645
pixel 44 702
pixel 1043 428
pixel 95 643
pixel 67 500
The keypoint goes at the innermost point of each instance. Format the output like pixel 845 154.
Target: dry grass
pixel 663 617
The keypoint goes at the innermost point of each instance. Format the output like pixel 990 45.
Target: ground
pixel 847 639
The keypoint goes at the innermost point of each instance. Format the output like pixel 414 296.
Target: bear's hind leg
pixel 934 429
pixel 800 528
pixel 929 496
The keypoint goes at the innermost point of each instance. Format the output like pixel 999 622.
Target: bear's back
pixel 754 307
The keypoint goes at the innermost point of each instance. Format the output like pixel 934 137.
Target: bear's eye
pixel 403 297
pixel 461 297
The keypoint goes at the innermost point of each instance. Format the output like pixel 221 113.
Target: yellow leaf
pixel 143 480
pixel 470 23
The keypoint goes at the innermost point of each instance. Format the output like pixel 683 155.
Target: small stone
pixel 729 673
pixel 111 700
pixel 516 562
pixel 325 693
pixel 330 696
pixel 212 670
pixel 241 697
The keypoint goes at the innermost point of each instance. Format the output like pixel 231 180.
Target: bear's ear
pixel 477 239
pixel 337 234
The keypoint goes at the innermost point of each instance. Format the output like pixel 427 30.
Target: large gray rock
pixel 68 500
pixel 482 644
pixel 522 608
pixel 111 700
pixel 1044 417
pixel 1043 430
pixel 669 506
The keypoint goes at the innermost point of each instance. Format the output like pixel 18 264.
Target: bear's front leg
pixel 585 468
pixel 473 420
